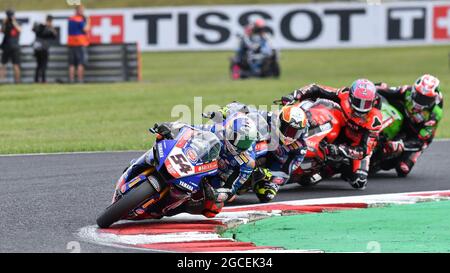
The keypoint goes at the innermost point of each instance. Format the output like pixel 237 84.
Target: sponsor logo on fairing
pixel 192 155
pixel 160 151
pixel 206 167
pixel 186 186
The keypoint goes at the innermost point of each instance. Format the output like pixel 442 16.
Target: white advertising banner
pixel 293 26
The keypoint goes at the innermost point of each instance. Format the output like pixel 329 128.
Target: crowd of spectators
pixel 46 36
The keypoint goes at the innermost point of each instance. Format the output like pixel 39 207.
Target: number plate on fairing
pixel 177 164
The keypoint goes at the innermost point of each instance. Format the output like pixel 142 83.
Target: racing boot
pixel 358 180
pixel 263 186
pixel 408 161
pixel 211 205
pixel 265 190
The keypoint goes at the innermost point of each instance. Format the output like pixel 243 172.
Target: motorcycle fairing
pixel 183 164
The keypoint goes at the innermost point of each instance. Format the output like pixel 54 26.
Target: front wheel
pixel 125 204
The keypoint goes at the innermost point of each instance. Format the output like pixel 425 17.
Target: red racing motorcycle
pixel 326 120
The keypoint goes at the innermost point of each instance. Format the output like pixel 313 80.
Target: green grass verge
pixel 415 228
pixel 95 4
pixel 54 118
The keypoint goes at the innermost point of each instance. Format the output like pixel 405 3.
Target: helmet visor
pixel 422 100
pixel 361 105
pixel 244 144
pixel 290 132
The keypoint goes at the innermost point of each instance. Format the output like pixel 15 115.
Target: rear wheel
pixel 125 204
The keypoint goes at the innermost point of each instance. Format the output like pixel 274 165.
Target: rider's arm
pixel 247 164
pixel 312 91
pixel 298 159
pixel 426 134
pixel 365 148
pixel 392 92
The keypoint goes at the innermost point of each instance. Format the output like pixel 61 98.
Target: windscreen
pixel 206 145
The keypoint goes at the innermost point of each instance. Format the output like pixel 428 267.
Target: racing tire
pixel 125 204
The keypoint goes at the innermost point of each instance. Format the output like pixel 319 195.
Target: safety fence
pixel 106 63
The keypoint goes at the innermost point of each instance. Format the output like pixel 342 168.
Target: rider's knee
pixel 404 168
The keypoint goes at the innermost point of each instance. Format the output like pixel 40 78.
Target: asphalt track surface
pixel 45 199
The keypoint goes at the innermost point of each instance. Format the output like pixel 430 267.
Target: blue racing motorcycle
pixel 175 172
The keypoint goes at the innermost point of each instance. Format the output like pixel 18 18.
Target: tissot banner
pixel 293 26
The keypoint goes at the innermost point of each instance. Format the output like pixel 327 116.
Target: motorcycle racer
pixel 236 162
pixel 237 157
pixel 255 55
pixel 255 39
pixel 357 139
pixel 422 106
pixel 286 129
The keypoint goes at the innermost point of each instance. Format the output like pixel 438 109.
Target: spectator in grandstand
pixel 45 35
pixel 78 42
pixel 10 45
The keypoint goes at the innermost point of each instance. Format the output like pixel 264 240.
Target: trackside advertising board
pixel 293 26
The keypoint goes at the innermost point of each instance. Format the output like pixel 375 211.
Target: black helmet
pixel 9 13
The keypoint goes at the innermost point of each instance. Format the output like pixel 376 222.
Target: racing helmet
pixel 362 96
pixel 240 133
pixel 292 124
pixel 259 25
pixel 424 92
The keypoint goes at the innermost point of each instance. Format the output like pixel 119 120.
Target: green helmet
pixel 240 133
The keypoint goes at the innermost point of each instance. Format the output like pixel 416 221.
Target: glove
pixel 216 116
pixel 332 151
pixel 350 152
pixel 287 99
pixel 430 123
pixel 209 115
pixel 163 131
pixel 211 206
pixel 381 86
pixel 359 181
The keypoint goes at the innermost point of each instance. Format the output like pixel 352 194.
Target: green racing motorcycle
pixel 393 120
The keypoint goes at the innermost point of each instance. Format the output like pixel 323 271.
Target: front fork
pixel 147 176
